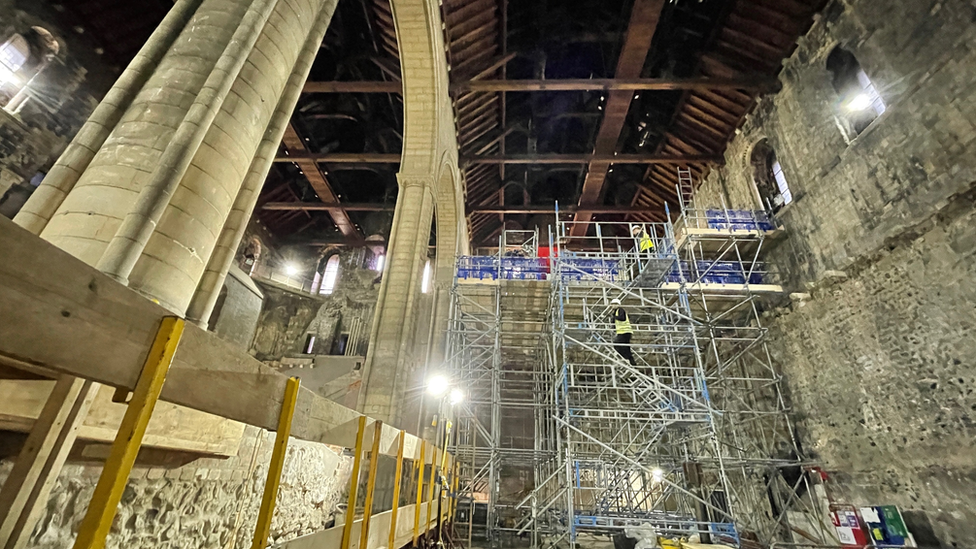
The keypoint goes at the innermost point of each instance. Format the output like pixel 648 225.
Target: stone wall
pixel 235 317
pixel 171 502
pixel 879 361
pixel 880 368
pixel 850 198
pixel 66 93
pixel 289 315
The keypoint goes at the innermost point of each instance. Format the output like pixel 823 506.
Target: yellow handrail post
pixel 374 459
pixel 396 491
pixel 270 497
pixel 455 476
pixel 420 494
pixel 440 492
pixel 430 489
pixel 354 488
pixel 108 492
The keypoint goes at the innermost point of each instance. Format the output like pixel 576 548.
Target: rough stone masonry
pixel 882 233
pixel 202 502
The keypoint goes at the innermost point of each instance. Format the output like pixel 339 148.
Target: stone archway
pixel 428 179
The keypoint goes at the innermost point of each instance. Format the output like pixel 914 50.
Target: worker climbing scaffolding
pixel 644 242
pixel 624 332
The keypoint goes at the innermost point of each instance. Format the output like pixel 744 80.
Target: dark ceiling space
pixel 346 124
pixel 722 41
pixel 101 35
pixel 604 149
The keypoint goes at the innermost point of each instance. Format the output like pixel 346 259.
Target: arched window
pixel 774 189
pixel 250 256
pixel 22 58
pixel 860 103
pixel 425 281
pixel 330 275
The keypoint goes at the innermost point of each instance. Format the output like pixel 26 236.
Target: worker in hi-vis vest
pixel 621 341
pixel 644 242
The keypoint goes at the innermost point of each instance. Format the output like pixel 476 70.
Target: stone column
pixel 156 198
pixel 437 354
pixel 221 52
pixel 444 267
pixel 133 234
pixel 62 177
pixel 391 355
pixel 177 253
pixel 92 212
pixel 208 290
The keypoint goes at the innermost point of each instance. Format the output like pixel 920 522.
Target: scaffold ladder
pixel 686 188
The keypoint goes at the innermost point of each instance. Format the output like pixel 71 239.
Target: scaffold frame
pixel 694 438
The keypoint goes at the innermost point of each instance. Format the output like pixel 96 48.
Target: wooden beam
pixel 757 83
pixel 380 527
pixel 104 331
pixel 319 207
pixel 378 158
pixel 621 210
pixel 340 158
pixel 591 158
pixel 497 64
pixel 331 242
pixel 317 178
pixel 28 487
pixel 644 17
pixel 378 86
pixel 496 140
pixel 476 84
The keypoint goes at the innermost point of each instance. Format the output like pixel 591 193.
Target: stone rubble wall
pixel 882 235
pixel 288 316
pixel 208 503
pixel 880 368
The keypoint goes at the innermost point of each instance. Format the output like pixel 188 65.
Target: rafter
pixel 644 18
pixel 468 160
pixel 319 207
pixel 476 84
pixel 316 177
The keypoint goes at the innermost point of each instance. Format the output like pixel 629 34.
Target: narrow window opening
pixel 784 187
pixel 330 276
pixel 860 103
pixel 425 283
pixel 341 342
pixel 771 182
pixel 22 59
pixel 379 262
pixel 309 344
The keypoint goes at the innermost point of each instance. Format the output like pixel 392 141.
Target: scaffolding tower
pixel 562 438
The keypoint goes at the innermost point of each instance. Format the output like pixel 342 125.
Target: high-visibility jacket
pixel 645 243
pixel 622 322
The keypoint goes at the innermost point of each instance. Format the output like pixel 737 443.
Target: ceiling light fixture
pixel 437 385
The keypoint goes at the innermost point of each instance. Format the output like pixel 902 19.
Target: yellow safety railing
pixel 108 492
pixel 104 332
